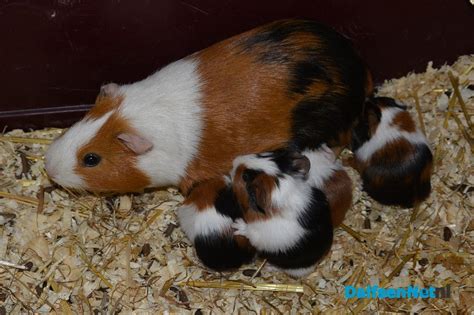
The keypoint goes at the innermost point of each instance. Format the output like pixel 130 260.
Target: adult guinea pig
pixel 392 155
pixel 206 217
pixel 290 82
pixel 286 213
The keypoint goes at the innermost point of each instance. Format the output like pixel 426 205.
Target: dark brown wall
pixel 55 55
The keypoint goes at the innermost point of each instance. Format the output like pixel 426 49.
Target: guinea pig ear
pixel 110 89
pixel 136 143
pixel 300 165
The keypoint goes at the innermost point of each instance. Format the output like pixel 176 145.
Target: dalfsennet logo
pixel 410 292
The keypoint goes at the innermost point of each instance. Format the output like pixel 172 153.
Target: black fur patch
pixel 290 162
pixel 361 131
pixel 249 175
pixel 400 180
pixel 318 120
pixel 227 204
pixel 329 59
pixel 283 160
pixel 277 32
pixel 360 134
pixel 316 243
pixel 318 211
pixel 274 54
pixel 221 253
pixel 305 73
pixel 388 102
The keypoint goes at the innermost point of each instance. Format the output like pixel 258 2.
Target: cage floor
pixel 64 252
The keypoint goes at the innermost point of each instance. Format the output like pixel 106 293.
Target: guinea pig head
pixel 253 189
pixel 256 178
pixel 100 152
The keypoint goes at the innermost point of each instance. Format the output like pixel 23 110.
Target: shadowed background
pixel 54 55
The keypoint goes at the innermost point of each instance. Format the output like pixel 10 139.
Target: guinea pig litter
pixel 67 252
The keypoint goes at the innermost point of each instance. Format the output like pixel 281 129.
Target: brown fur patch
pixel 404 122
pixel 255 92
pixel 116 171
pixel 103 105
pixel 204 194
pixel 357 164
pixel 239 187
pixel 259 123
pixel 394 152
pixel 338 190
pixel 244 77
pixel 264 185
pixel 243 242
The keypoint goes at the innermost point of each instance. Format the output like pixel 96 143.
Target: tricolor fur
pixel 286 214
pixel 288 83
pixel 392 155
pixel 206 217
pixel 329 175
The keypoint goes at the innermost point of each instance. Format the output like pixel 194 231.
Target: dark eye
pixel 249 175
pixel 91 159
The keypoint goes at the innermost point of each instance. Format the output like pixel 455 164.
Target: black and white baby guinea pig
pixel 286 214
pixel 391 154
pixel 206 217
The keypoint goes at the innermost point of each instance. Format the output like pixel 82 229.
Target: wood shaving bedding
pixel 71 253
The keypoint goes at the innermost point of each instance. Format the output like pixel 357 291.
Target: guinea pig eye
pixel 91 159
pixel 249 175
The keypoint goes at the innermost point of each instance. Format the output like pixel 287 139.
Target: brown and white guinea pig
pixel 392 155
pixel 286 213
pixel 288 83
pixel 206 217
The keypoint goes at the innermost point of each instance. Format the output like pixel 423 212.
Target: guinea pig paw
pixel 240 227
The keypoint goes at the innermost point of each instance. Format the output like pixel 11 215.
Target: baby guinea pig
pixel 206 218
pixel 392 155
pixel 287 215
pixel 287 82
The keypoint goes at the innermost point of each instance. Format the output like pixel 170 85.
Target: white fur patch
pixel 274 235
pixel 323 165
pixel 291 197
pixel 386 133
pixel 61 157
pixel 299 272
pixel 196 222
pixel 166 109
pixel 252 161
